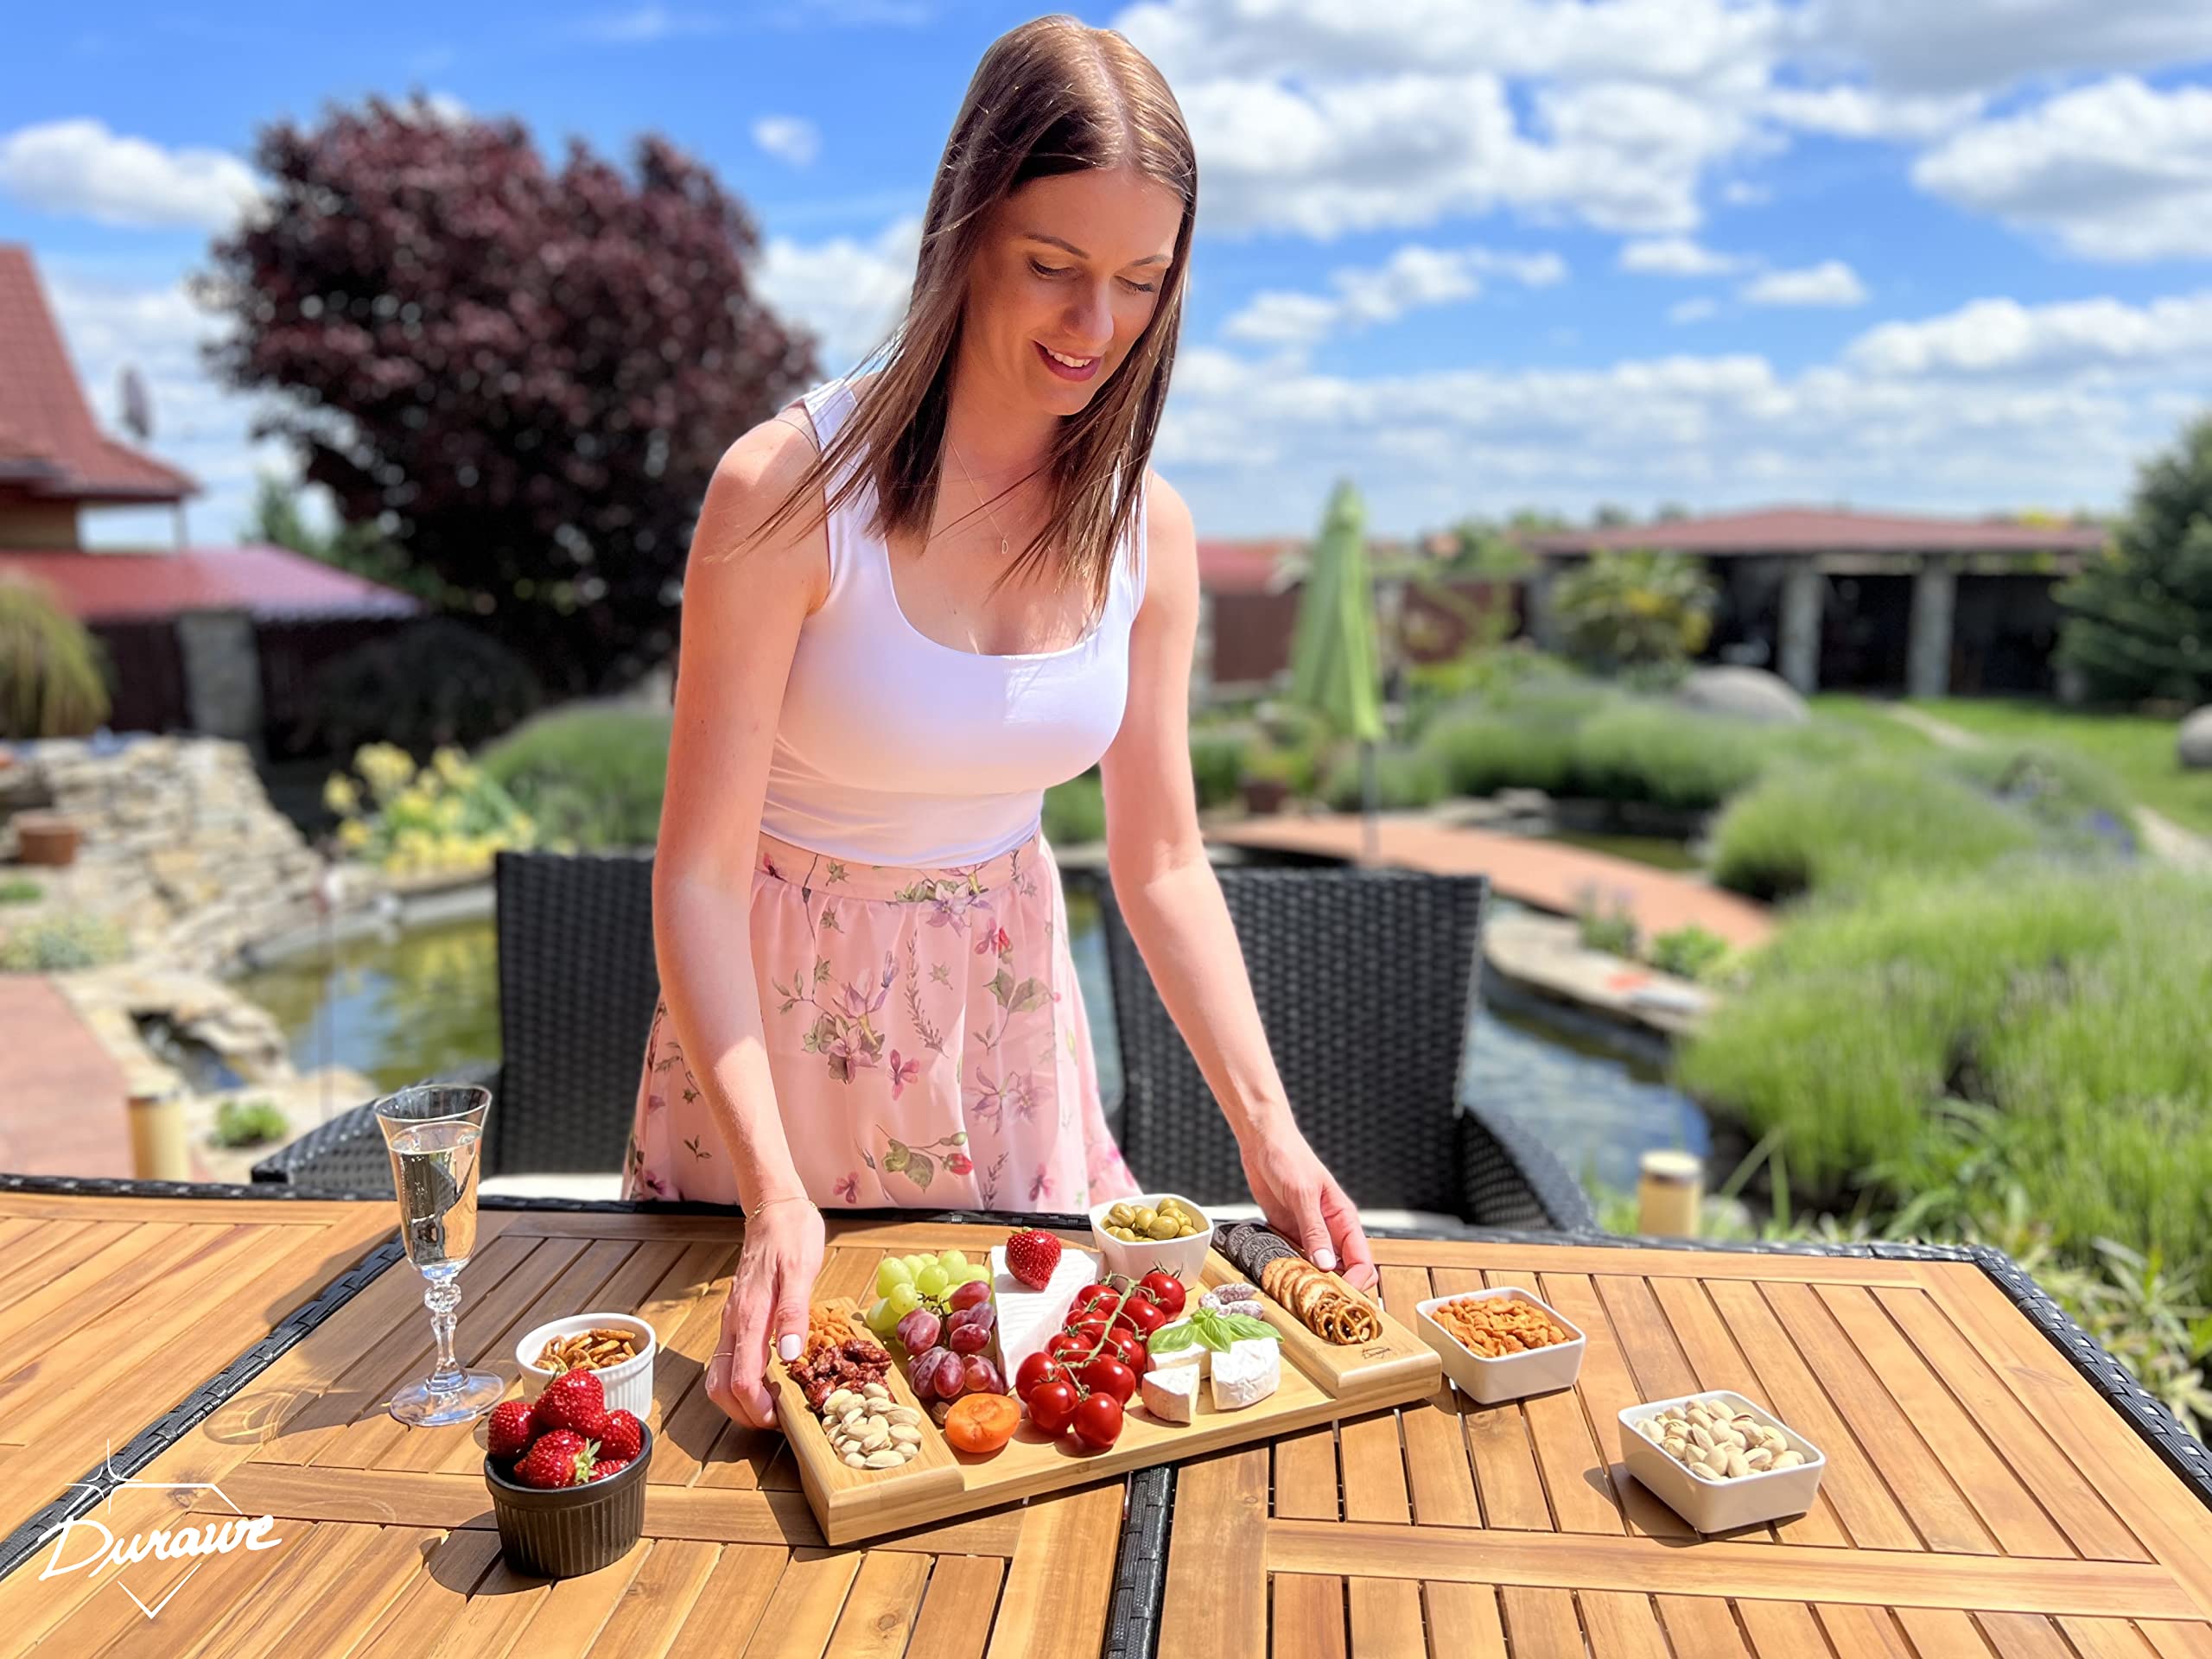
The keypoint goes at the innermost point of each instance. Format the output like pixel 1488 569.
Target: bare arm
pixel 740 625
pixel 1167 889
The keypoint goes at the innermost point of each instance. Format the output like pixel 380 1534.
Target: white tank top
pixel 894 749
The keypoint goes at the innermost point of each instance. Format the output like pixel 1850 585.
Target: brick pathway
pixel 1543 875
pixel 62 1100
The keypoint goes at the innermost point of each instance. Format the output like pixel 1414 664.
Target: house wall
pixel 30 525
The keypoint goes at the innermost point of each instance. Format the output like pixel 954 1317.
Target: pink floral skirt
pixel 925 1034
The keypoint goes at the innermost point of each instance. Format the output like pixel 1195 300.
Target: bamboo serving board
pixel 1320 1383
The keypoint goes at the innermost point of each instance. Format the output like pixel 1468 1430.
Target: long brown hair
pixel 1053 96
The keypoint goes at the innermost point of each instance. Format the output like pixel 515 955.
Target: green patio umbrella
pixel 1332 659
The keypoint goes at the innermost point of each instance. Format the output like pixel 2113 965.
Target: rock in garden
pixel 2195 743
pixel 1743 694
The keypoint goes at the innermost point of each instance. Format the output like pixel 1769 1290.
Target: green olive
pixel 1189 1230
pixel 1163 1227
pixel 1144 1219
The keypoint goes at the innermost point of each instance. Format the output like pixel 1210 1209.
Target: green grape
pixel 974 1275
pixel 890 1274
pixel 933 1281
pixel 953 1261
pixel 914 1264
pixel 881 1319
pixel 903 1300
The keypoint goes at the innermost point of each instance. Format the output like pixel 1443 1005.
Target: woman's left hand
pixel 1302 1201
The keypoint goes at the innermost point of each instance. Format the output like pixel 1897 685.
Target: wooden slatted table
pixel 389 1544
pixel 1981 1498
pixel 113 1310
pixel 2046 1528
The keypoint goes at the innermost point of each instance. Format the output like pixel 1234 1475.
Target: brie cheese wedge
pixel 1027 1319
pixel 1193 1357
pixel 1246 1374
pixel 1172 1394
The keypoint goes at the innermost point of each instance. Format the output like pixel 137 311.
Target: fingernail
pixel 1325 1260
pixel 768 1417
pixel 787 1350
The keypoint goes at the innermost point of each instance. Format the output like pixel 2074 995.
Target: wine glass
pixel 435 1133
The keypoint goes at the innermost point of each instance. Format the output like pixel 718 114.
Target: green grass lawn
pixel 1870 719
pixel 2135 749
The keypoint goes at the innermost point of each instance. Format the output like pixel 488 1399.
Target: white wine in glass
pixel 435 1133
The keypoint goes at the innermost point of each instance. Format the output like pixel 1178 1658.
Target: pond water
pixel 427 1002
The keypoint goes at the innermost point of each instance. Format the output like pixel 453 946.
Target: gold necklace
pixel 986 505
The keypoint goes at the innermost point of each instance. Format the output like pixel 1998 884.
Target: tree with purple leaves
pixel 524 379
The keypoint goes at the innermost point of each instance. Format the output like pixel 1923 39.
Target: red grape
pixel 969 1340
pixel 973 1293
pixel 920 1330
pixel 979 1376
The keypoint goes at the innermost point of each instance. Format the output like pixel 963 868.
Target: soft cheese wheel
pixel 1172 1394
pixel 1246 1374
pixel 1193 1357
pixel 1027 1319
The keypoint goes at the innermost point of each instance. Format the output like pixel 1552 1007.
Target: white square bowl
pixel 628 1387
pixel 1184 1257
pixel 1509 1376
pixel 1722 1505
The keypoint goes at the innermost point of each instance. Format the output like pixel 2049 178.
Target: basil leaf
pixel 1244 1326
pixel 1172 1339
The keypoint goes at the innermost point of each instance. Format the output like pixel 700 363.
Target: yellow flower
pixel 340 796
pixel 386 765
pixel 452 766
pixel 353 835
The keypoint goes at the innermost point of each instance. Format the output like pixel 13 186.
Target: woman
pixel 914 600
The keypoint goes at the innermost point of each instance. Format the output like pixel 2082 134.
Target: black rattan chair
pixel 577 982
pixel 1364 980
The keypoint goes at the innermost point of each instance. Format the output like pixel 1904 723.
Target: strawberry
pixel 625 1437
pixel 1031 1255
pixel 509 1433
pixel 607 1467
pixel 573 1401
pixel 557 1458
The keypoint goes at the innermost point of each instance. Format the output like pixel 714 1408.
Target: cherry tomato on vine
pixel 1098 1422
pixel 1166 1289
pixel 1052 1405
pixel 1144 1317
pixel 1106 1375
pixel 1035 1368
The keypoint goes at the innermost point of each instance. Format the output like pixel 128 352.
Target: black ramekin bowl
pixel 564 1531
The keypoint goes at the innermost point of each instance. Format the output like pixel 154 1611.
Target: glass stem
pixel 443 1299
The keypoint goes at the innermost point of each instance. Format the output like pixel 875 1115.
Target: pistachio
pixel 907 1435
pixel 884 1459
pixel 854 1460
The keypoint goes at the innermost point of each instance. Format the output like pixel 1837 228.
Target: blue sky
pixel 1472 253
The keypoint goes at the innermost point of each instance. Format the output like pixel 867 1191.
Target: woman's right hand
pixel 768 1299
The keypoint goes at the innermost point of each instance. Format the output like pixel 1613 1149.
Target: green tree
pixel 52 680
pixel 2139 622
pixel 1635 609
pixel 361 550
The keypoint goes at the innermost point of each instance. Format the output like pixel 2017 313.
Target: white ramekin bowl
pixel 629 1386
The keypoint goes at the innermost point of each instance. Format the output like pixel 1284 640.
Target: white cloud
pixel 791 137
pixel 1414 278
pixel 642 25
pixel 2002 336
pixel 1675 256
pixel 2116 170
pixel 81 166
pixel 851 293
pixel 1691 310
pixel 1829 283
pixel 1851 112
pixel 1916 46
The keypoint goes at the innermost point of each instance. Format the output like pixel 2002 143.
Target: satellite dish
pixel 137 406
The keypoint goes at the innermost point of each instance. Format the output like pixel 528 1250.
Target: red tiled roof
pixel 1825 530
pixel 271 583
pixel 48 442
pixel 1243 567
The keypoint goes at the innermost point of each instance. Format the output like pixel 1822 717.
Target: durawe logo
pixel 197 1543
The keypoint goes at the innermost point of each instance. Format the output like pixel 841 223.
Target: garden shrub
pixel 1639 751
pixel 435 682
pixel 591 777
pixel 53 672
pixel 1217 763
pixel 58 943
pixel 1690 952
pixel 1404 779
pixel 448 818
pixel 249 1124
pixel 1076 811
pixel 1808 828
pixel 2067 999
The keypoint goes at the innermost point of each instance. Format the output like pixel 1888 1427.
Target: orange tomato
pixel 982 1423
